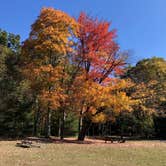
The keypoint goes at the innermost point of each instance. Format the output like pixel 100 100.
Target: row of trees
pixel 69 75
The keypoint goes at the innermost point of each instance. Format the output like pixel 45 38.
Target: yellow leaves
pixel 52 92
pixel 96 117
pixel 99 118
pixel 48 73
pixel 43 69
pixel 120 84
pixel 145 111
pixel 92 110
pixel 47 80
pixel 143 91
pixel 121 102
pixel 51 38
pixel 96 96
pixel 53 98
pixel 52 30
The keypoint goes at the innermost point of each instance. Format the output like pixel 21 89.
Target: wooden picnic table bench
pixel 26 144
pixel 113 139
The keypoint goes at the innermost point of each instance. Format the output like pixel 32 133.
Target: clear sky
pixel 140 24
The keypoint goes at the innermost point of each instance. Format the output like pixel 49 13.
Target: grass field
pixel 93 153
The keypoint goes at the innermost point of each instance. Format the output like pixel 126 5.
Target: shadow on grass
pixel 90 140
pixel 57 140
pixel 127 138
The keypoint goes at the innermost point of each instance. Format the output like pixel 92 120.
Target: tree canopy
pixel 71 72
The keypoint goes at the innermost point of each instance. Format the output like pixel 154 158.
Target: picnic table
pixel 26 144
pixel 114 139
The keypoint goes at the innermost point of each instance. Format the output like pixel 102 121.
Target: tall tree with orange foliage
pixel 44 54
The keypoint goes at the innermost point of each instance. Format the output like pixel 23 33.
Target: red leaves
pixel 97 49
pixel 95 37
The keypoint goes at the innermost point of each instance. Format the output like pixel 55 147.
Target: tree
pixel 97 57
pixel 44 54
pixel 97 50
pixel 150 78
pixel 15 97
pixel 97 103
pixel 10 40
pixel 149 87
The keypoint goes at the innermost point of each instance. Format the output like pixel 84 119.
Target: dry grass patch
pixel 94 153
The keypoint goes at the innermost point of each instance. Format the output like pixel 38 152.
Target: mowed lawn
pixel 133 153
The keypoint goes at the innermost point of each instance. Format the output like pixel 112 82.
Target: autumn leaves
pixel 70 64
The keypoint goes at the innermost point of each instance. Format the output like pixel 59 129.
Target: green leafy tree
pixel 150 75
pixel 14 94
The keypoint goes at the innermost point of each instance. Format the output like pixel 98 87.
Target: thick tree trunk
pixel 83 131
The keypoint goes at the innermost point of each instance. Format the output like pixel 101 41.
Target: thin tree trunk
pixel 59 127
pixel 80 122
pixel 110 129
pixel 62 125
pixel 36 123
pixel 36 119
pixel 48 123
pixel 93 130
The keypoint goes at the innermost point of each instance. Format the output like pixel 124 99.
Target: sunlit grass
pixel 136 153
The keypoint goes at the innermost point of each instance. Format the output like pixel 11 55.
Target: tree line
pixel 70 78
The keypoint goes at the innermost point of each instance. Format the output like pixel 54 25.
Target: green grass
pixel 135 153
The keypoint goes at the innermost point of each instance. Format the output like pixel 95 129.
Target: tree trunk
pixel 121 132
pixel 36 123
pixel 36 119
pixel 48 123
pixel 62 125
pixel 59 127
pixel 80 122
pixel 110 129
pixel 85 126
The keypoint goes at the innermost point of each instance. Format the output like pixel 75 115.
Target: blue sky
pixel 140 24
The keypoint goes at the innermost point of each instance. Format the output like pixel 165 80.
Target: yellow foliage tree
pixel 97 102
pixel 44 54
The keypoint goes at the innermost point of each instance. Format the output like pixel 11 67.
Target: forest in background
pixel 70 78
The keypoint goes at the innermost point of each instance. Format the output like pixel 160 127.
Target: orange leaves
pixel 96 96
pixel 107 95
pixel 118 85
pixel 45 54
pixel 99 118
pixel 49 73
pixel 51 32
pixel 52 49
pixel 53 98
pixel 121 102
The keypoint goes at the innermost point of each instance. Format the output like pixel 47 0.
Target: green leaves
pixel 149 76
pixel 10 40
